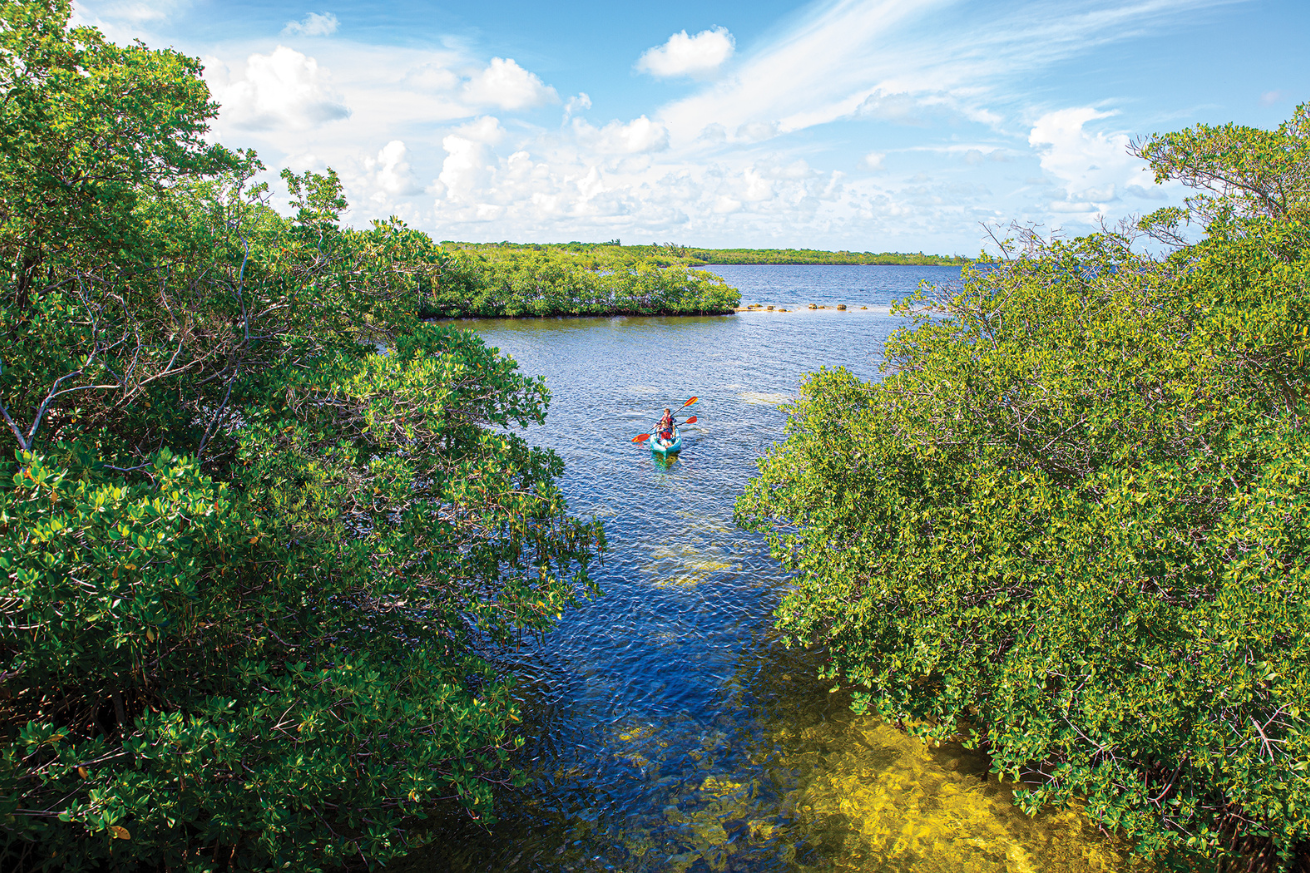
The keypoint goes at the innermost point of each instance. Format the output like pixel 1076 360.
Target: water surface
pixel 668 728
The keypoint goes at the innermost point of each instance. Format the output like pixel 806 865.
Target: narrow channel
pixel 668 728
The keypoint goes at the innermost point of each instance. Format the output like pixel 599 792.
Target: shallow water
pixel 668 728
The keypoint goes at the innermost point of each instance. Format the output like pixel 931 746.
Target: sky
pixel 867 125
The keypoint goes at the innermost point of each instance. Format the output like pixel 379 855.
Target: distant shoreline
pixel 816 257
pixel 517 280
pixel 700 256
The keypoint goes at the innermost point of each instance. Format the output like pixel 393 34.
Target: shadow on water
pixel 666 727
pixel 664 462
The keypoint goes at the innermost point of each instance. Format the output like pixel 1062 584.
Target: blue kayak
pixel 665 448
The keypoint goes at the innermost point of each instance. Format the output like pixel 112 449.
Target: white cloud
pixel 757 131
pixel 486 130
pixel 902 108
pixel 579 103
pixel 467 169
pixel 1094 168
pixel 470 163
pixel 713 168
pixel 313 24
pixel 685 55
pixel 508 86
pixel 432 78
pixel 284 89
pixel 714 133
pixel 906 61
pixel 570 187
pixel 392 171
pixel 636 137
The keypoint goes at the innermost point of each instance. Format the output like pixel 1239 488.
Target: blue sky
pixel 878 125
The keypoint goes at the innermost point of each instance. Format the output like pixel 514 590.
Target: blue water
pixel 872 286
pixel 643 705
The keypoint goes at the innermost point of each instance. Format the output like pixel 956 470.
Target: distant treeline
pixel 507 280
pixel 815 256
pixel 673 253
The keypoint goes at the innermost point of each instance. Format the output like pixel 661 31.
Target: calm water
pixel 668 729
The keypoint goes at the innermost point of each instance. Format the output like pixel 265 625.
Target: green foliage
pixel 505 280
pixel 509 279
pixel 253 573
pixel 1072 519
pixel 815 256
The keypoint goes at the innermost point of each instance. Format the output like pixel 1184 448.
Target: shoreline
pixel 807 307
pixel 562 315
pixel 768 309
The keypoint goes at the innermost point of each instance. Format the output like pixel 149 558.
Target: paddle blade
pixel 689 403
pixel 641 438
pixel 691 420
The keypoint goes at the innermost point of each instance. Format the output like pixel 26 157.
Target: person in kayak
pixel 665 427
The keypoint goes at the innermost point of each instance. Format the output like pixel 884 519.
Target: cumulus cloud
pixel 466 170
pixel 313 24
pixel 392 171
pixel 486 130
pixel 1269 98
pixel 638 136
pixel 685 55
pixel 284 89
pixel 508 86
pixel 470 163
pixel 1093 167
pixel 873 160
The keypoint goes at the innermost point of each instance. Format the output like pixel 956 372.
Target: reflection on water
pixel 667 728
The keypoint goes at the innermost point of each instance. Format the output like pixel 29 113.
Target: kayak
pixel 665 448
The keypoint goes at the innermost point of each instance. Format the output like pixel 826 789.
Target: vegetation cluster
pixel 503 280
pixel 1073 519
pixel 815 256
pixel 253 572
pixel 492 280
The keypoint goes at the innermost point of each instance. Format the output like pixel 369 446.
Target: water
pixel 668 728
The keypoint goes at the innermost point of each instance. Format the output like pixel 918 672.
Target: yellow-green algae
pixel 685 565
pixel 807 786
pixel 879 799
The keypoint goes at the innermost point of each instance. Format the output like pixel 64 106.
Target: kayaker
pixel 665 427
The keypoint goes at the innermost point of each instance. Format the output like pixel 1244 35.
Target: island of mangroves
pixel 499 280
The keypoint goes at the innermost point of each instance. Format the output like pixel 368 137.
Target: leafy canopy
pixel 1071 520
pixel 253 573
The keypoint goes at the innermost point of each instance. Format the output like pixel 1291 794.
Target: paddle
pixel 642 437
